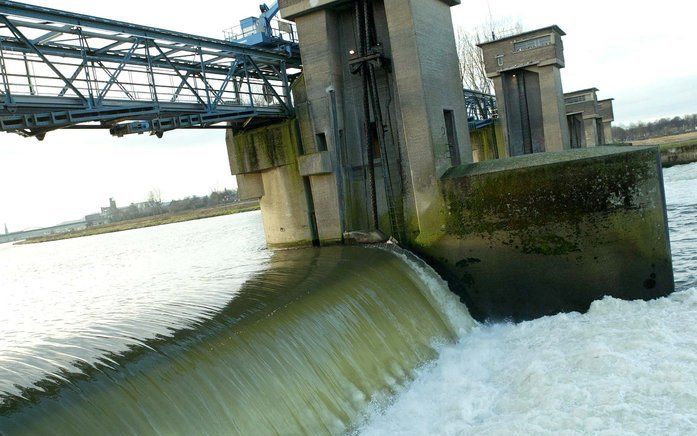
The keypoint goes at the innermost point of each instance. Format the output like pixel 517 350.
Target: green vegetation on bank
pixel 156 220
pixel 680 144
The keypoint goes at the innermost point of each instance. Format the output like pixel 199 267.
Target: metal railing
pixel 279 29
pixel 60 70
pixel 480 106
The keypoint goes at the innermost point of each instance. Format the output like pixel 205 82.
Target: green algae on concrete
pixel 263 148
pixel 536 235
pixel 679 153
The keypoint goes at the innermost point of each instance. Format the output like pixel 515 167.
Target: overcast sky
pixel 621 47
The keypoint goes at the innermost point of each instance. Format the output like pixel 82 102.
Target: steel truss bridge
pixel 66 70
pixel 481 107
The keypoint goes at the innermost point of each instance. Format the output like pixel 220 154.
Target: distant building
pixel 96 219
pixel 6 231
pixel 583 116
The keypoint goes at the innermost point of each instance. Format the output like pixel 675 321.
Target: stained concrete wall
pixel 265 163
pixel 419 43
pixel 488 142
pixel 536 235
pixel 427 80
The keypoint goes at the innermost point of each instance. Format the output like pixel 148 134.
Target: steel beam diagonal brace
pixel 36 50
pixel 114 77
pixel 223 87
pixel 270 87
pixel 186 82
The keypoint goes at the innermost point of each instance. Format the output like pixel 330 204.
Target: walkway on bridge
pixel 65 70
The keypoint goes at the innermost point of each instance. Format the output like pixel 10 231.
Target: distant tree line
pixel 154 205
pixel 654 129
pixel 216 198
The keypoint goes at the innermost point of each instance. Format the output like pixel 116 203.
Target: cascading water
pixel 304 346
pixel 196 329
pixel 625 367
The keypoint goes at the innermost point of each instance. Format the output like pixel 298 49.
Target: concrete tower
pixel 525 69
pixel 585 121
pixel 381 118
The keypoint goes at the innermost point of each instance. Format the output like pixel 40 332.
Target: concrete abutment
pixel 380 142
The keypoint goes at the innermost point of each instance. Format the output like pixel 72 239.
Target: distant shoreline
pixel 153 221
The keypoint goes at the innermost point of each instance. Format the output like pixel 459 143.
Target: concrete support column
pixel 556 126
pixel 501 108
pixel 284 208
pixel 591 128
pixel 607 126
pixel 322 67
pixel 426 76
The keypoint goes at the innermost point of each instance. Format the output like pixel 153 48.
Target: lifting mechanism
pixel 370 58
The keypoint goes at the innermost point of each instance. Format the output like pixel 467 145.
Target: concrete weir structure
pixel 380 145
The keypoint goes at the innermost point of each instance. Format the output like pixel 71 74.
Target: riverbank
pixel 676 149
pixel 157 220
pixel 681 153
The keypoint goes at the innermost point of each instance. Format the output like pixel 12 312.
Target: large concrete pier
pixel 380 141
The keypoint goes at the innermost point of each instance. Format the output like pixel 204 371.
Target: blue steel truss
pixel 480 106
pixel 65 70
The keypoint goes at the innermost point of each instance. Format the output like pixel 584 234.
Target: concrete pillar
pixel 323 71
pixel 608 113
pixel 591 128
pixel 284 208
pixel 607 128
pixel 427 79
pixel 553 110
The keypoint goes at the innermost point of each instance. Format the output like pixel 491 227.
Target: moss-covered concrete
pixel 536 235
pixel 263 148
pixel 679 154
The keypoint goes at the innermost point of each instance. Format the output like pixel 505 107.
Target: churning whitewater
pixel 195 328
pixel 622 368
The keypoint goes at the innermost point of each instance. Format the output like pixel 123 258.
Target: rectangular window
pixel 533 43
pixel 321 142
pixel 575 99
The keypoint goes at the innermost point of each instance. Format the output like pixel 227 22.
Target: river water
pixel 195 328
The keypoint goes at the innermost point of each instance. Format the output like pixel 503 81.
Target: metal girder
pixel 480 106
pixel 60 70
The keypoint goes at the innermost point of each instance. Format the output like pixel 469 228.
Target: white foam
pixel 623 368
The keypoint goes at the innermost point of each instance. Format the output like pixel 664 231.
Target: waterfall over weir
pixel 304 347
